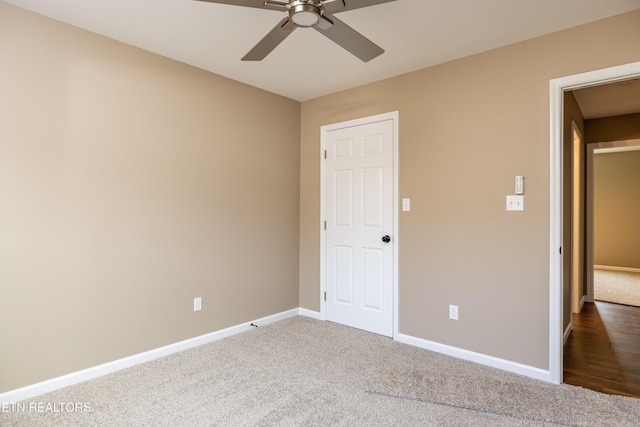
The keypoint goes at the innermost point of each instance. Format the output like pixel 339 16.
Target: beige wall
pixel 467 128
pixel 616 199
pixel 130 184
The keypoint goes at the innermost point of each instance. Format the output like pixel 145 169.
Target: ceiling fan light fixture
pixel 304 14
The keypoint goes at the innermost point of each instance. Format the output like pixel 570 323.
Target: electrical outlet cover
pixel 453 312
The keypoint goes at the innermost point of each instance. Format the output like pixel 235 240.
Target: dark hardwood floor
pixel 603 351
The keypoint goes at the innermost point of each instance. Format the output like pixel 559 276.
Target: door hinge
pixel 325 296
pixel 325 154
pixel 325 225
pixel 560 250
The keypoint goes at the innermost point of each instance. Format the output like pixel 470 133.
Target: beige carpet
pixel 304 372
pixel 617 287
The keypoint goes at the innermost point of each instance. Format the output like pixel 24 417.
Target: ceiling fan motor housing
pixel 318 14
pixel 305 13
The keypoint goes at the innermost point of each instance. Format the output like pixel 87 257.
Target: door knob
pixel 386 238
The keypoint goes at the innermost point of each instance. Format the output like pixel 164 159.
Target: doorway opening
pixel 558 87
pixel 612 231
pixel 603 351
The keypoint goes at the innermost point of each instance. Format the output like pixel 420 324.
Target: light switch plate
pixel 515 203
pixel 406 205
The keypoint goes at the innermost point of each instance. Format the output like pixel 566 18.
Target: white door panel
pixel 359 212
pixel 343 278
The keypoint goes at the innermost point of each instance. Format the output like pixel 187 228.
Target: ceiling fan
pixel 317 14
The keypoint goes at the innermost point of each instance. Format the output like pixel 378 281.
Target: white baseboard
pixel 136 359
pixel 309 313
pixel 483 359
pixel 567 332
pixel 614 268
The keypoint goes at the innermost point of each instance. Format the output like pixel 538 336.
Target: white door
pixel 359 247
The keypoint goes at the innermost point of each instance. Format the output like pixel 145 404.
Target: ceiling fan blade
pixel 270 41
pixel 324 23
pixel 350 39
pixel 335 6
pixel 247 3
pixel 280 5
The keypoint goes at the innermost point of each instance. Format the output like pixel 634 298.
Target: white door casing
pixel 359 209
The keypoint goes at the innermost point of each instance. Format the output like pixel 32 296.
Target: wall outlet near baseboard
pixel 197 304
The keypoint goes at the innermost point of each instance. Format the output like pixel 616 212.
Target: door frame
pixel 557 87
pixel 324 130
pixel 577 196
pixel 632 144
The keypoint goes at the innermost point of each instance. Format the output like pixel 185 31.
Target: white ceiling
pixel 415 34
